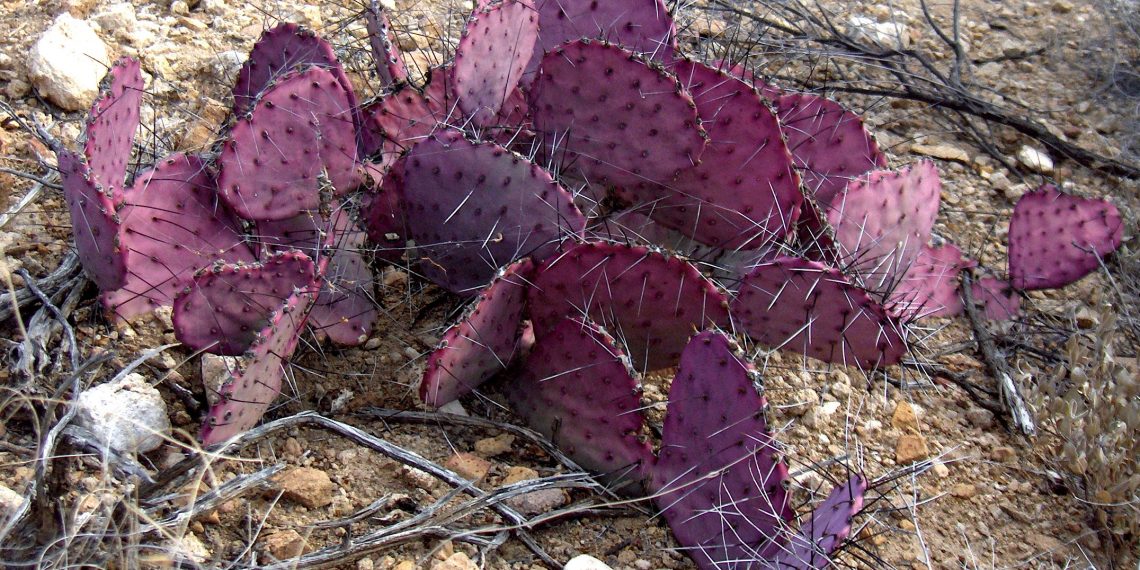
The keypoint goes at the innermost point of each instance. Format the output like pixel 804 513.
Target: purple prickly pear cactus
pixel 173 225
pixel 94 224
pixel 800 305
pixel 483 343
pixel 382 213
pixel 111 126
pixel 496 46
pixel 473 207
pixel 644 27
pixel 719 479
pixel 406 116
pixel 345 311
pixel 385 51
pixel 1056 239
pixel 811 547
pixel 578 389
pixel 248 393
pixel 280 50
pixel 226 306
pixel 299 132
pixel 998 299
pixel 883 219
pixel 829 144
pixel 744 194
pixel 619 120
pixel 930 287
pixel 649 300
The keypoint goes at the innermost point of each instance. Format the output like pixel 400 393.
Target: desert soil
pixel 986 498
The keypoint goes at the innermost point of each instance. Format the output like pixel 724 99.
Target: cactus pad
pixel 618 120
pixel 473 207
pixel 173 225
pixel 299 132
pixel 226 306
pixel 247 395
pixel 344 311
pixel 406 116
pixel 577 388
pixel 930 287
pixel 883 219
pixel 825 530
pixel 278 51
pixel 483 343
pixel 652 302
pixel 998 299
pixel 94 224
pixel 719 479
pixel 805 306
pixel 744 194
pixel 112 124
pixel 640 26
pixel 1055 239
pixel 382 214
pixel 829 144
pixel 385 51
pixel 496 46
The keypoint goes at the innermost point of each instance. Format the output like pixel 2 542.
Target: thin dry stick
pixel 1007 389
pixel 404 456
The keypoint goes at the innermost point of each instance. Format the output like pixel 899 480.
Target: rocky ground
pixel 983 498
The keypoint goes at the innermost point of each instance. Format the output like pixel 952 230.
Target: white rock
pixel 118 19
pixel 1035 160
pixel 216 371
pixel 128 416
pixel 891 35
pixel 9 502
pixel 453 407
pixel 67 63
pixel 585 562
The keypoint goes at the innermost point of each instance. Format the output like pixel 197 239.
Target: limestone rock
pixel 285 544
pixel 585 562
pixel 911 448
pixel 468 465
pixel 128 416
pixel 67 63
pixel 306 485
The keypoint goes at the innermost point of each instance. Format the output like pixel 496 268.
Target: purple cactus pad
pixel 473 207
pixel 644 27
pixel 299 132
pixel 800 305
pixel 744 194
pixel 226 306
pixel 94 224
pixel 930 287
pixel 998 299
pixel 496 46
pixel 173 225
pixel 828 143
pixel 1056 239
pixel 385 50
pixel 882 220
pixel 614 118
pixel 247 395
pixel 825 530
pixel 577 388
pixel 345 311
pixel 408 115
pixel 382 213
pixel 112 124
pixel 279 50
pixel 719 479
pixel 652 302
pixel 483 343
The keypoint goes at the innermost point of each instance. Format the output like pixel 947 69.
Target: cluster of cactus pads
pixel 613 206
